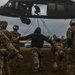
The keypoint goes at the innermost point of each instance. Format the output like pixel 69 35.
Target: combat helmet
pixel 3 24
pixel 72 22
pixel 16 27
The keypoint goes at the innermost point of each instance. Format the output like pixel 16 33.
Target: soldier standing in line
pixel 6 48
pixel 37 45
pixel 71 48
pixel 16 35
pixel 58 55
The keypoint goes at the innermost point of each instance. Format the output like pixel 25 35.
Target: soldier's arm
pixel 13 50
pixel 26 37
pixel 8 45
pixel 51 42
pixel 48 40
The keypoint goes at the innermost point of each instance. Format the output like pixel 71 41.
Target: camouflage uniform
pixel 6 48
pixel 58 55
pixel 71 47
pixel 16 43
pixel 37 56
pixel 16 35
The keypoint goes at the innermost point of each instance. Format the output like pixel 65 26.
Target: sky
pixel 55 26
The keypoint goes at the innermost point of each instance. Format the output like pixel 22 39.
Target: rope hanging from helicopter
pixel 37 12
pixel 33 23
pixel 44 24
pixel 38 22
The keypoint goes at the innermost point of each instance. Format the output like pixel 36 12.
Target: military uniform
pixel 37 57
pixel 58 55
pixel 6 48
pixel 16 35
pixel 71 48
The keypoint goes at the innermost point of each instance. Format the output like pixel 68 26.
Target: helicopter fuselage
pixel 54 9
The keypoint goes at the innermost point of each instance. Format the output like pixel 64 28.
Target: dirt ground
pixel 26 65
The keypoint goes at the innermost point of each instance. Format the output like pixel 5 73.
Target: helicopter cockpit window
pixel 51 6
pixel 10 4
pixel 60 7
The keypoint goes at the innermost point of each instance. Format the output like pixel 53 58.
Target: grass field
pixel 26 64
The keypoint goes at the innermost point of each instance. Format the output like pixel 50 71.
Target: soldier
pixel 16 35
pixel 36 45
pixel 58 55
pixel 71 47
pixel 6 48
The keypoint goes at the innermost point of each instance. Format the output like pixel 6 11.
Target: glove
pixel 20 56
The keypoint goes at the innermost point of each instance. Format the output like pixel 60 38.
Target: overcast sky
pixel 56 26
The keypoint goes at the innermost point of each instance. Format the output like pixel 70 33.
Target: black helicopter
pixel 25 9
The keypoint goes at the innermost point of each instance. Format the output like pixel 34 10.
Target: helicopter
pixel 26 9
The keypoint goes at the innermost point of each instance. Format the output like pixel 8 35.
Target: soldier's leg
pixel 5 68
pixel 70 69
pixel 60 63
pixel 55 66
pixel 55 62
pixel 40 56
pixel 70 64
pixel 61 58
pixel 17 60
pixel 1 63
pixel 36 58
